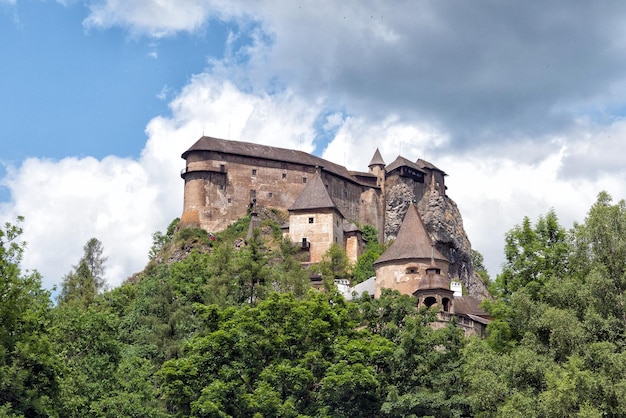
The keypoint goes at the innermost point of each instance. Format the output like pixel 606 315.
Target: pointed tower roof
pixel 413 241
pixel 377 159
pixel 314 196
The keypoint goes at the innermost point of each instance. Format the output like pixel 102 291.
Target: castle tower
pixel 377 168
pixel 314 219
pixel 433 289
pixel 411 257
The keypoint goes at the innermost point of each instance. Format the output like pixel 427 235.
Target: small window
pixel 252 193
pixel 222 168
pixel 303 179
pixel 284 176
pixel 254 171
pixel 221 187
pixel 229 200
pixel 311 220
pixel 270 194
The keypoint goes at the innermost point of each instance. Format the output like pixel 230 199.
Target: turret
pixel 377 168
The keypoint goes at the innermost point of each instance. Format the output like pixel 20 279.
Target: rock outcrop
pixel 444 223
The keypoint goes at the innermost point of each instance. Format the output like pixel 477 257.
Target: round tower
pixel 377 168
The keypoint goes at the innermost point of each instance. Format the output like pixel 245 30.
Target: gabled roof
pixel 350 226
pixel 401 161
pixel 468 305
pixel 425 164
pixel 413 241
pixel 377 159
pixel 314 196
pixel 248 149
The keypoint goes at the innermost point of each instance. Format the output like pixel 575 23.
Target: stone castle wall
pixel 220 187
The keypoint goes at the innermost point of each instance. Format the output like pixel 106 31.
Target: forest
pixel 220 326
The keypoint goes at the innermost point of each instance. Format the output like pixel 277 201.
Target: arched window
pixel 446 304
pixel 430 301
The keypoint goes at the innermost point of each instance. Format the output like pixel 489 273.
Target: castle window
pixel 311 220
pixel 446 304
pixel 303 179
pixel 270 194
pixel 284 176
pixel 230 200
pixel 254 172
pixel 411 270
pixel 221 187
pixel 222 168
pixel 252 193
pixel 430 301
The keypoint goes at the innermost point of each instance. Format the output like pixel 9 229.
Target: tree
pixel 160 240
pixel 478 264
pixel 364 267
pixel 86 279
pixel 28 363
pixel 534 254
pixel 334 265
pixel 601 256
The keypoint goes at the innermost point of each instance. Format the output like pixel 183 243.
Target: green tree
pixel 28 364
pixel 478 264
pixel 334 265
pixel 601 256
pixel 86 279
pixel 161 240
pixel 534 254
pixel 364 267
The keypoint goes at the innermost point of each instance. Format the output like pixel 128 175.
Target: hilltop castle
pixel 405 201
pixel 222 178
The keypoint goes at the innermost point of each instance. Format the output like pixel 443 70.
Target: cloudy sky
pixel 520 102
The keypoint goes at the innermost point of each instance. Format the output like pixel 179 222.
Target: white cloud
pixel 157 18
pixel 122 201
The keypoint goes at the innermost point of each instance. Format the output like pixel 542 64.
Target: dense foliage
pixel 219 326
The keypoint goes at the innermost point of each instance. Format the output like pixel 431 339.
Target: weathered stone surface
pixel 444 223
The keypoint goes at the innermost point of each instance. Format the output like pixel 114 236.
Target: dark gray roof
pixel 413 241
pixel 314 196
pixel 350 226
pixel 377 159
pixel 401 161
pixel 266 152
pixel 425 164
pixel 468 305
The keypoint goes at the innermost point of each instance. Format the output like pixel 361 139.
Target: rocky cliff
pixel 443 221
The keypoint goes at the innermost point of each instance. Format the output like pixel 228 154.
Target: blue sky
pixel 70 90
pixel 522 104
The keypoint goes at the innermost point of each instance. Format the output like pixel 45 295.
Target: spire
pixel 314 196
pixel 412 242
pixel 377 159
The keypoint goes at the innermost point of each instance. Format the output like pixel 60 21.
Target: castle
pixel 225 180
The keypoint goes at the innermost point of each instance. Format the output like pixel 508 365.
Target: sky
pixel 521 103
